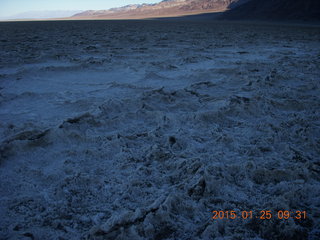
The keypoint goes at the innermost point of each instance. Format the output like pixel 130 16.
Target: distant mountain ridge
pixel 165 8
pixel 227 9
pixel 308 10
pixel 44 14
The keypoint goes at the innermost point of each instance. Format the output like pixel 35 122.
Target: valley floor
pixel 140 129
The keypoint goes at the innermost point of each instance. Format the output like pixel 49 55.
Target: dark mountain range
pixel 276 10
pixel 213 9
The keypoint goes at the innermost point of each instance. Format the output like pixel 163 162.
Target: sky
pixel 10 8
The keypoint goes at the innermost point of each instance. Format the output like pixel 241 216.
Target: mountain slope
pixel 276 10
pixel 165 8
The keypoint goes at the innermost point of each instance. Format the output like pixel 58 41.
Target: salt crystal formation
pixel 140 129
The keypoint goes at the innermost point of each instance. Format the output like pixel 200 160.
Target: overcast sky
pixel 12 7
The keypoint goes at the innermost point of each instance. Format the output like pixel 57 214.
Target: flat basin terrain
pixel 141 129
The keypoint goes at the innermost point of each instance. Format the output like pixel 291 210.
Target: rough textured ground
pixel 138 130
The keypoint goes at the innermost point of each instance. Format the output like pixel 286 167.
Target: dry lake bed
pixel 141 129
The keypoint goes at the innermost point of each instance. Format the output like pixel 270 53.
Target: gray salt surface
pixel 140 129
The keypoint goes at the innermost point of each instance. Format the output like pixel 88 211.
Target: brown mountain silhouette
pixel 166 8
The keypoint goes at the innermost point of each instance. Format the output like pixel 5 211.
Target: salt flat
pixel 140 129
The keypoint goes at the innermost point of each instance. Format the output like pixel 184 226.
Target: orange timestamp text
pixel 263 214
